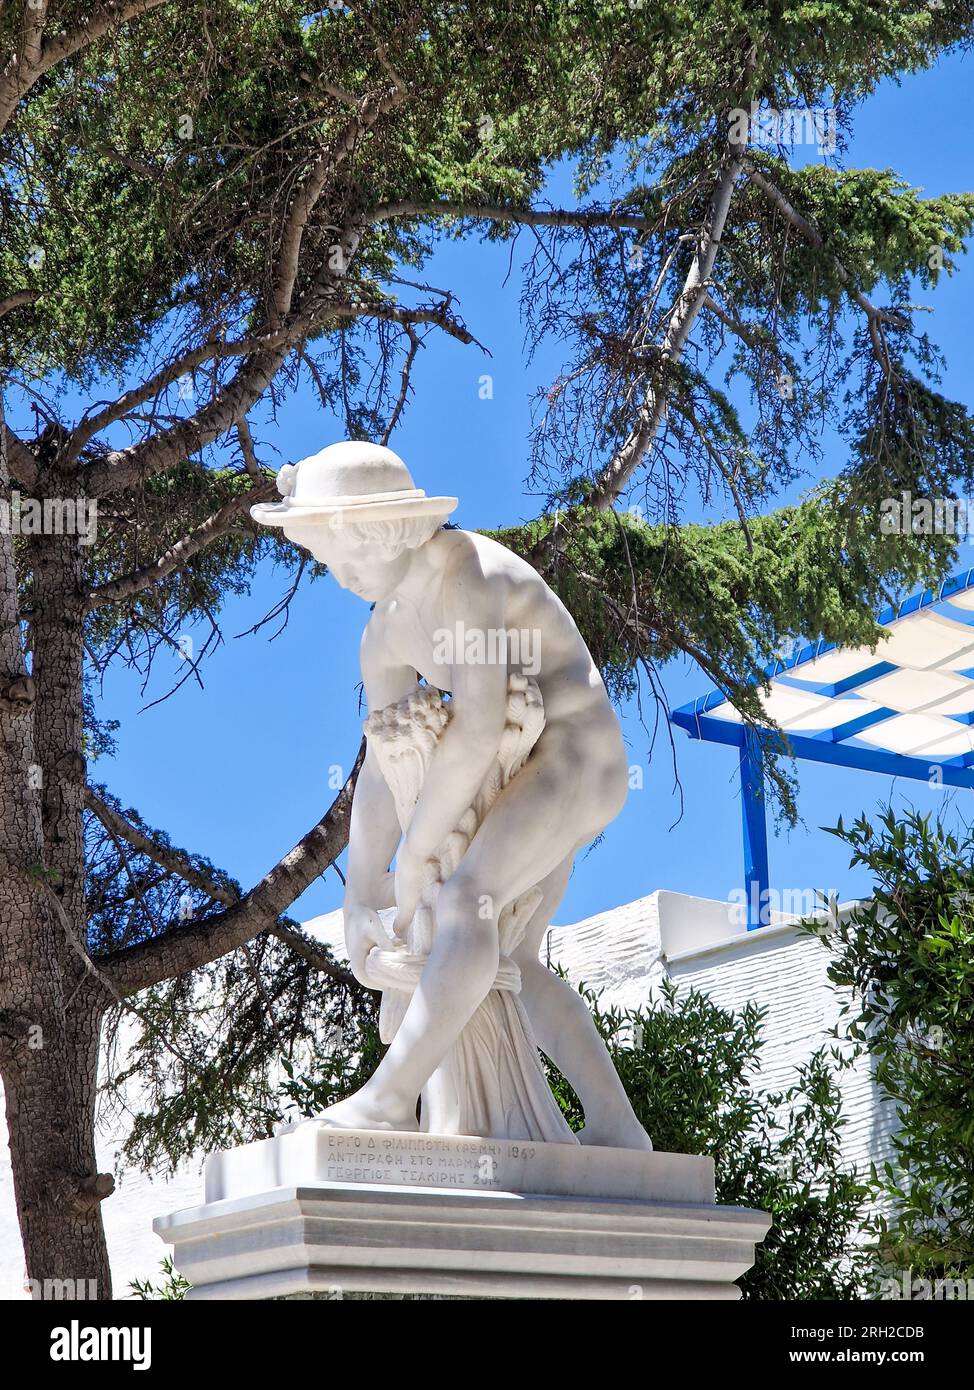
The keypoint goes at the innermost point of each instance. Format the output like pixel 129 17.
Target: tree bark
pixel 50 1079
pixel 52 1003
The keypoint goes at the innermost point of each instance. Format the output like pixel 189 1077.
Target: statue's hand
pixel 363 930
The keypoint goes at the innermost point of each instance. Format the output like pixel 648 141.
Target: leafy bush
pixel 172 1287
pixel 335 1074
pixel 907 957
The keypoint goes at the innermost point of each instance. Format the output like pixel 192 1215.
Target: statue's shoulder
pixel 449 542
pixel 453 549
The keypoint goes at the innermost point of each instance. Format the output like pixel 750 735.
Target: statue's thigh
pixel 531 829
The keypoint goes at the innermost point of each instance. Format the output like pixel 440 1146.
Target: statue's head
pixel 355 508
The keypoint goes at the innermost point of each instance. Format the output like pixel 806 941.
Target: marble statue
pixel 493 755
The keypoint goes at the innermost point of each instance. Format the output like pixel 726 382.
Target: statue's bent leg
pixel 526 834
pixel 566 1031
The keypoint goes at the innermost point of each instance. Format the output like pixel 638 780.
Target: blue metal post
pixel 756 877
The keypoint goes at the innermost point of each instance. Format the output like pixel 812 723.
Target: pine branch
pixel 20 463
pixel 222 523
pixel 124 467
pixel 37 54
pixel 529 217
pixel 875 317
pixel 186 947
pixel 370 109
pixel 172 860
pixel 613 478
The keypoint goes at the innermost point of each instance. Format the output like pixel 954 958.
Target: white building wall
pixel 785 971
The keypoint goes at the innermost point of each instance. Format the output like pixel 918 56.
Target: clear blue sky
pixel 240 770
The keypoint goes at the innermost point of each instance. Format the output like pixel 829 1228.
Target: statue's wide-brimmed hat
pixel 349 482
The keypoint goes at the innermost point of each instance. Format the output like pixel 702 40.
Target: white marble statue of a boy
pixel 441 596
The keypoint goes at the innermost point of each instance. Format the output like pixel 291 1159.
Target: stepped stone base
pixel 316 1212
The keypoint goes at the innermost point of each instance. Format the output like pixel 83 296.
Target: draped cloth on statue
pixel 491 1082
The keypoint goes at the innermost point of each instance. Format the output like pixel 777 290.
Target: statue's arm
pixel 469 743
pixel 373 836
pixel 374 830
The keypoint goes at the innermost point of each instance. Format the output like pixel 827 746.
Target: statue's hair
pixel 391 537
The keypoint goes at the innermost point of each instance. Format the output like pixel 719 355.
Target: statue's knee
pixel 618 790
pixel 465 901
pixel 612 787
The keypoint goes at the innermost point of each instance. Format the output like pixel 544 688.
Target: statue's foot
pixel 616 1136
pixel 361 1111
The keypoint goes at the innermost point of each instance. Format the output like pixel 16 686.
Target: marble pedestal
pixel 345 1212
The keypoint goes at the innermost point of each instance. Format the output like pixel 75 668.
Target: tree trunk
pixel 50 1092
pixel 50 1007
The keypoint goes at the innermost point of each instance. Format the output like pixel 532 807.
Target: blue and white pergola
pixel 906 709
